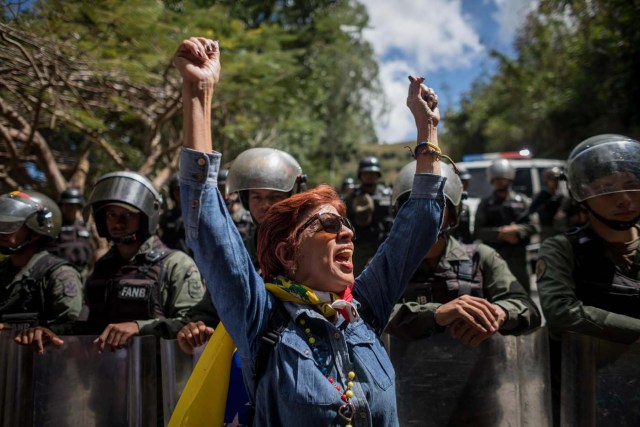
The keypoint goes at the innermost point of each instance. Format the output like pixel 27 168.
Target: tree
pixel 572 77
pixel 92 84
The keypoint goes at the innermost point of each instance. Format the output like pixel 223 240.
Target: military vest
pixel 27 294
pixel 124 292
pixel 73 244
pixel 442 286
pixel 504 212
pixel 598 281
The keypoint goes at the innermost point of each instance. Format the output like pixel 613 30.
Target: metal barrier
pixel 176 370
pixel 505 381
pixel 75 385
pixel 600 382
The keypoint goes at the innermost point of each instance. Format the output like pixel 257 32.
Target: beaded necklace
pixel 347 410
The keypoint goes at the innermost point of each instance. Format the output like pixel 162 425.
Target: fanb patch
pixel 541 268
pixel 132 292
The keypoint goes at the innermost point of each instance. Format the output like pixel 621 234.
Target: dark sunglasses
pixel 330 222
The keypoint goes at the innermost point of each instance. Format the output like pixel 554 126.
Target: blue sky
pixel 445 41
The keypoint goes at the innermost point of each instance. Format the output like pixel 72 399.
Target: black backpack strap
pixel 278 321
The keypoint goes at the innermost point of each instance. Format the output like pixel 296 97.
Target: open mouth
pixel 343 258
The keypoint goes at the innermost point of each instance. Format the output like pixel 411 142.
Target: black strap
pixel 278 321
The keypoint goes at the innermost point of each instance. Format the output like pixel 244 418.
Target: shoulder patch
pixel 541 268
pixel 195 288
pixel 69 288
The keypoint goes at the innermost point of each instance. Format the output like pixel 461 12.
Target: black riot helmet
pixel 369 164
pixel 35 210
pixel 71 196
pixel 604 164
pixel 130 190
pixel 453 190
pixel 348 184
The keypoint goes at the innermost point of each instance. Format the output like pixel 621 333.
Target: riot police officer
pixel 140 286
pixel 240 216
pixel 502 220
pixel 263 177
pixel 36 287
pixel 467 289
pixel 74 241
pixel 171 225
pixel 589 277
pixel 369 209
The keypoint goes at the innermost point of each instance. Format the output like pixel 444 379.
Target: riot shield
pixel 600 382
pixel 504 381
pixel 176 369
pixel 75 385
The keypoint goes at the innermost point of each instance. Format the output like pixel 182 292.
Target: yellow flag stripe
pixel 204 397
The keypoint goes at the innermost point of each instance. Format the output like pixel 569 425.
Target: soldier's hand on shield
pixel 198 60
pixel 467 334
pixel 116 335
pixel 37 338
pixel 193 335
pixel 479 313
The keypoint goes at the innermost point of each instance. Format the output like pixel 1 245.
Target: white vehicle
pixel 528 178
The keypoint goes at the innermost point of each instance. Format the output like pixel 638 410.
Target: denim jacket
pixel 292 390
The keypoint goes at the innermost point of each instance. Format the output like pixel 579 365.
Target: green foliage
pixel 573 77
pixel 296 76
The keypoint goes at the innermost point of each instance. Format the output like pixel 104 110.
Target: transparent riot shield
pixel 600 382
pixel 16 379
pixel 74 385
pixel 176 370
pixel 505 381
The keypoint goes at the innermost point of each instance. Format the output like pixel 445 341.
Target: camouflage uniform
pixel 574 294
pixel 56 297
pixel 488 277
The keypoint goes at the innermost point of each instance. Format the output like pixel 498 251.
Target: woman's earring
pixel 293 270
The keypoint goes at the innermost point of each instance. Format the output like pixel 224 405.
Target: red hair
pixel 281 221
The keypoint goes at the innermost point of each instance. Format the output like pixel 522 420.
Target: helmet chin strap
pixel 615 225
pixel 129 239
pixel 16 249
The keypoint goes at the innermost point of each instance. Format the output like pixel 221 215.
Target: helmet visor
pixel 13 214
pixel 608 168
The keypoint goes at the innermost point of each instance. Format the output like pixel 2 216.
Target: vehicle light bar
pixel 522 154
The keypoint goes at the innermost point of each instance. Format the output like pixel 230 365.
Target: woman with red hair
pixel 326 364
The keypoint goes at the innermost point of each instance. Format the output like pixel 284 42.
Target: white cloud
pixel 416 37
pixel 510 15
